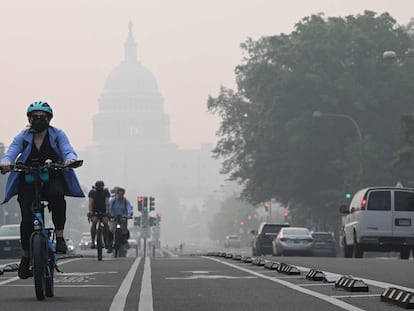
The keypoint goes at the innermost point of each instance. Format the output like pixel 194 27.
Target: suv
pixel 379 219
pixel 262 241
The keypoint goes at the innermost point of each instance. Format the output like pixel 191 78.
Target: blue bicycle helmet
pixel 40 106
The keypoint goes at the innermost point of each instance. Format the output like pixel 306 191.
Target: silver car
pixel 293 241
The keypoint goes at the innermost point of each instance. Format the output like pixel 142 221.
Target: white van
pixel 379 219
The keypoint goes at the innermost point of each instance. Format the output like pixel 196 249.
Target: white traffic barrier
pixel 398 297
pixel 350 284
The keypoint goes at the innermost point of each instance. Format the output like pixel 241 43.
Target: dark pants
pixel 57 205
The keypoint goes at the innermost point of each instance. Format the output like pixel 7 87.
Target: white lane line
pixel 16 277
pixel 55 286
pixel 355 296
pixel 329 299
pixel 145 298
pixel 119 301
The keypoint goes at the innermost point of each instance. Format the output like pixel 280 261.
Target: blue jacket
pixel 22 144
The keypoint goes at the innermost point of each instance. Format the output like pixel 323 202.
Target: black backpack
pixel 99 200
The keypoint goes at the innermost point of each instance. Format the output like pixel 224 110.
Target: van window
pixel 404 201
pixel 379 201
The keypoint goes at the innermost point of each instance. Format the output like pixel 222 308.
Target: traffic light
pixel 286 214
pixel 348 195
pixel 241 223
pixel 151 203
pixel 140 204
pixel 159 217
pixel 267 205
pixel 145 204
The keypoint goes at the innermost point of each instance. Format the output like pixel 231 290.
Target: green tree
pixel 268 138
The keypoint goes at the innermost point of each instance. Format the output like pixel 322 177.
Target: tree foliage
pixel 270 142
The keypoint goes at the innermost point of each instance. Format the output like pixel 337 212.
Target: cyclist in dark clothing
pixel 99 204
pixel 37 144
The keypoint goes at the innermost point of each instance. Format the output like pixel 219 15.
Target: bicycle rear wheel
pixel 39 258
pixel 99 243
pixel 117 244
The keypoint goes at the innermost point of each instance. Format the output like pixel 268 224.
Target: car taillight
pixel 363 204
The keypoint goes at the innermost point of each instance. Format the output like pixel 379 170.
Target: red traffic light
pixel 242 223
pixel 286 214
pixel 139 199
pixel 267 204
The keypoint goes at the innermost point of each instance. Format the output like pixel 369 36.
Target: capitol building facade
pixel 132 146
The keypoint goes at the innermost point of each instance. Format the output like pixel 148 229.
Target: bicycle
pixel 42 240
pixel 119 248
pixel 100 239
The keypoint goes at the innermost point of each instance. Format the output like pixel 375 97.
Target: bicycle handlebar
pixel 20 167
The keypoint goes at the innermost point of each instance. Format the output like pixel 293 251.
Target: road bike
pixel 42 240
pixel 100 236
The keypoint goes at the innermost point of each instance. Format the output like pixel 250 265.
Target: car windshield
pixel 322 236
pixel 271 229
pixel 296 231
pixel 9 230
pixel 233 237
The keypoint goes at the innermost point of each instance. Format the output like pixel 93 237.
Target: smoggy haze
pixel 62 52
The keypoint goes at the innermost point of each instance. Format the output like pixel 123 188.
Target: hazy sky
pixel 63 51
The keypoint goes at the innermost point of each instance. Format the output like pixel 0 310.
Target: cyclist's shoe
pixel 93 246
pixel 24 270
pixel 61 247
pixel 109 250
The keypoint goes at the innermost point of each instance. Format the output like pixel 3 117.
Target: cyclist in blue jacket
pixel 38 143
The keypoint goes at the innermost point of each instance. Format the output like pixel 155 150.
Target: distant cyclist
pixel 99 204
pixel 120 206
pixel 33 146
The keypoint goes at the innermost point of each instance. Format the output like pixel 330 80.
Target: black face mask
pixel 40 124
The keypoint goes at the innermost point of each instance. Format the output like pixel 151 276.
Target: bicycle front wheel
pixel 99 243
pixel 39 257
pixel 50 275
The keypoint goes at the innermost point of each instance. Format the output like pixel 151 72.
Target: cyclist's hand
pixel 5 167
pixel 68 162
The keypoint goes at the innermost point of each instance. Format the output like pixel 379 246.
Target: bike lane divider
pixel 329 299
pixel 118 303
pixel 146 299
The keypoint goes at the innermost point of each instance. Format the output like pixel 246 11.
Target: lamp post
pixel 391 55
pixel 319 114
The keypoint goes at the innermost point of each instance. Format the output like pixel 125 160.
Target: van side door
pixel 403 213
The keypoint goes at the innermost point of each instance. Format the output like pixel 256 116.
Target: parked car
pixel 10 246
pixel 262 241
pixel 232 241
pixel 325 244
pixel 379 219
pixel 293 240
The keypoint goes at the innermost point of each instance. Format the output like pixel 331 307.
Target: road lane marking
pixel 17 278
pixel 211 277
pixel 145 298
pixel 329 299
pixel 355 296
pixel 67 285
pixel 119 301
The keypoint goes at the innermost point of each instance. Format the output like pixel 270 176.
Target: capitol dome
pixel 130 74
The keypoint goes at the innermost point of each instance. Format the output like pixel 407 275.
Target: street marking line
pixel 356 296
pixel 118 303
pixel 329 299
pixel 145 298
pixel 17 278
pixel 76 286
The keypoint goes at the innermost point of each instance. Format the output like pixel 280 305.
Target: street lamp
pixel 391 55
pixel 319 114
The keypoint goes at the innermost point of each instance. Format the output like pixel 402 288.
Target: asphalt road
pixel 171 281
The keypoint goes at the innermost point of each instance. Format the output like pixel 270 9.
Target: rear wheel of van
pixel 405 253
pixel 358 249
pixel 348 249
